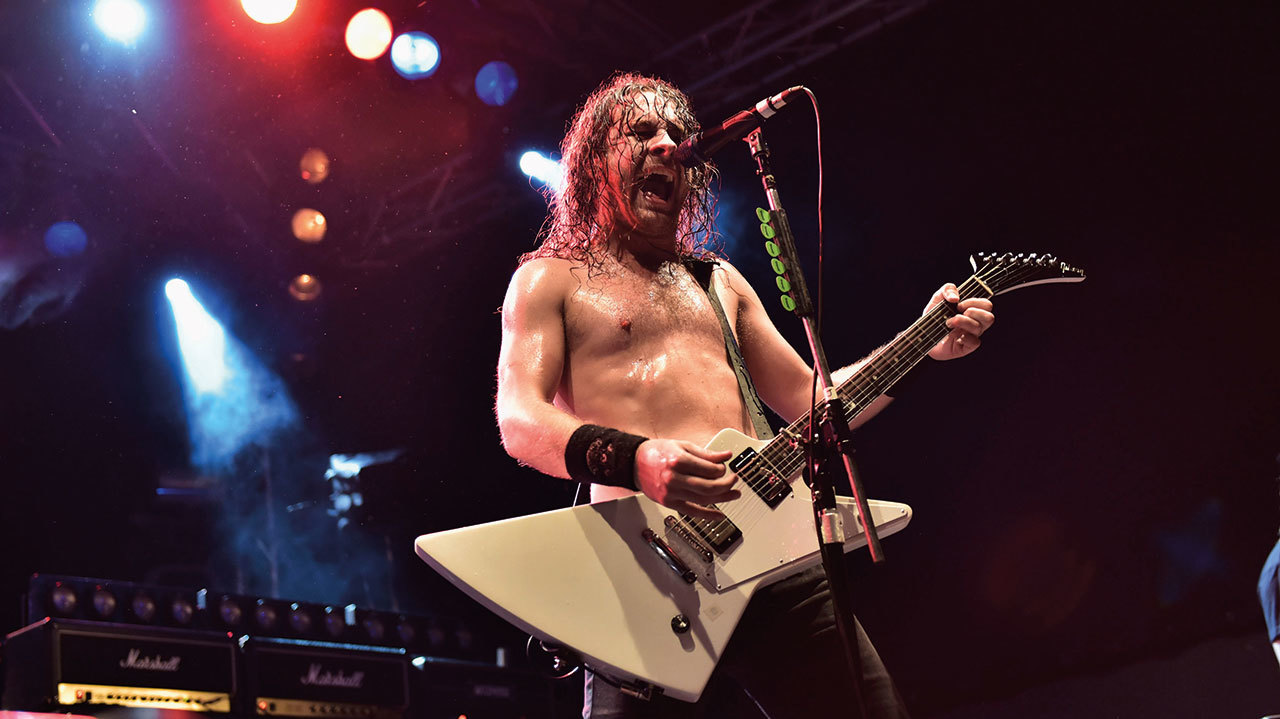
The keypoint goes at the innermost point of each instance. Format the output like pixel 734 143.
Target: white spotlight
pixel 543 169
pixel 201 339
pixel 120 20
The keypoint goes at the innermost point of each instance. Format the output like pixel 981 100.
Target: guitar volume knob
pixel 680 624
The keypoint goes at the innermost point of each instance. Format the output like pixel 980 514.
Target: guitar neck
pixel 995 274
pixel 908 349
pixel 895 359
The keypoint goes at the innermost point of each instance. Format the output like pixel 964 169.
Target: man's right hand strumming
pixel 685 477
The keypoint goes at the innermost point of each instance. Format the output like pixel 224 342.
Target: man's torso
pixel 645 354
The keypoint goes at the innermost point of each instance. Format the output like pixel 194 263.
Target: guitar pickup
pixel 717 534
pixel 683 532
pixel 760 476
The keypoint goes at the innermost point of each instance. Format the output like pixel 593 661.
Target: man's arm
pixel 675 473
pixel 785 380
pixel 530 364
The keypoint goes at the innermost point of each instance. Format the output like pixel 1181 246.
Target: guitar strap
pixel 701 271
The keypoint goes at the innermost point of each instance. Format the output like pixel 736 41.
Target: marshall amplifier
pixel 450 688
pixel 57 663
pixel 293 677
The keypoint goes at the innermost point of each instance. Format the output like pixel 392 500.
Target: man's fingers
pixel 978 303
pixel 719 455
pixel 962 323
pixel 695 488
pixel 698 462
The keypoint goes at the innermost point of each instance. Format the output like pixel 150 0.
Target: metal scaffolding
pixel 728 63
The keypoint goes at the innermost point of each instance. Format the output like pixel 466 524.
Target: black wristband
pixel 601 455
pixel 908 382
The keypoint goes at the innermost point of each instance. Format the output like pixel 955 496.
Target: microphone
pixel 698 149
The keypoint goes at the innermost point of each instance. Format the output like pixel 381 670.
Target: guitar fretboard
pixel 783 456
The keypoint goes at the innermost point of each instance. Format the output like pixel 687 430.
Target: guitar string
pixel 757 475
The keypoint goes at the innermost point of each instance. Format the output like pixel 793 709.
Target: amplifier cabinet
pixel 450 688
pixel 67 662
pixel 291 677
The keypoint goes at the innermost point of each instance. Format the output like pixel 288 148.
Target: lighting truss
pixel 728 63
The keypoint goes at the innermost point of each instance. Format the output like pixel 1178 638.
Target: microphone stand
pixel 829 433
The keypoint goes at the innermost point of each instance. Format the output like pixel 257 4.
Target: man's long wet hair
pixel 577 218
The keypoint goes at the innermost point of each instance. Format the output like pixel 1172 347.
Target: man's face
pixel 646 186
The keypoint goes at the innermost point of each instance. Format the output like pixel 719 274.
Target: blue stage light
pixel 120 20
pixel 543 169
pixel 496 83
pixel 65 239
pixel 415 55
pixel 201 339
pixel 232 401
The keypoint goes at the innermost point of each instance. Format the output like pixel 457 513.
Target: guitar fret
pixel 876 376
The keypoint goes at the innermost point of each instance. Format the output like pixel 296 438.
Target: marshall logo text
pixel 135 660
pixel 316 677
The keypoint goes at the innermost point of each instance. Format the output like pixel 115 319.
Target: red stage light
pixel 269 12
pixel 369 34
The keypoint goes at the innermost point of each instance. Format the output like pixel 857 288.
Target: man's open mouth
pixel 658 186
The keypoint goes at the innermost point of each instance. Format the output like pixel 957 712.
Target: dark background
pixel 1094 489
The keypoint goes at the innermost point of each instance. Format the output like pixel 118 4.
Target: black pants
pixel 785 660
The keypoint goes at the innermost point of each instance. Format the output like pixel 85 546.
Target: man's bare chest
pixel 633 314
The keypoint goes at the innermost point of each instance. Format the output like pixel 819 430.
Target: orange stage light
pixel 369 34
pixel 269 12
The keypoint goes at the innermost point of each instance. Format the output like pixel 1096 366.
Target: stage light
pixel 269 12
pixel 415 55
pixel 496 83
pixel 65 239
pixel 305 288
pixel 543 169
pixel 368 33
pixel 314 166
pixel 120 20
pixel 309 225
pixel 232 401
pixel 201 340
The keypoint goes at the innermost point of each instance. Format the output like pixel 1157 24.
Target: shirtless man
pixel 613 371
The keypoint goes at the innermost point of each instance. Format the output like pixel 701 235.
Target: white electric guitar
pixel 650 596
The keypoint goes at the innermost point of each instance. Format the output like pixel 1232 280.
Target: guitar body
pixel 587 578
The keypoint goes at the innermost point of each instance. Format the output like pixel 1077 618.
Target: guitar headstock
pixel 1006 271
